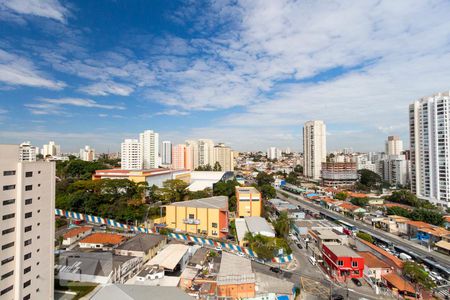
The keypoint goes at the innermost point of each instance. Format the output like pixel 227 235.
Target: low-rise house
pixel 398 285
pixel 350 209
pixel 432 234
pixel 395 224
pixel 104 241
pixel 447 222
pixel 301 227
pixel 342 263
pixel 172 258
pixel 75 234
pixel 150 273
pixel 200 258
pixel 443 246
pixel 254 225
pixel 415 226
pixel 142 245
pixel 391 260
pixel 187 277
pixel 374 267
pixel 236 278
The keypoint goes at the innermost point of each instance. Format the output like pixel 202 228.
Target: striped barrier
pixel 179 236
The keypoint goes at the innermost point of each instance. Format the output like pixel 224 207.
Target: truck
pixel 406 257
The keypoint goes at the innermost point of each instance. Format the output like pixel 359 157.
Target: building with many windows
pixel 166 154
pixel 224 156
pixel 248 202
pixel 27 197
pixel 28 152
pixel 314 148
pixel 87 153
pixel 394 145
pixel 51 149
pixel 131 155
pixel 339 174
pixel 429 121
pixel 150 149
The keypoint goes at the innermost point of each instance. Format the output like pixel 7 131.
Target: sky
pixel 246 73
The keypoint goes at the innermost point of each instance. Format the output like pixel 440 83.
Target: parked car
pixel 218 248
pixel 336 297
pixel 275 269
pixel 299 246
pixel 356 282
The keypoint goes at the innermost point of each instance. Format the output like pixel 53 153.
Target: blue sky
pixel 241 72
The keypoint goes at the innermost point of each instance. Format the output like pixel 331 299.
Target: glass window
pixel 354 263
pixel 28 174
pixel 28 215
pixel 26 283
pixel 28 201
pixel 8 216
pixel 7 260
pixel 6 246
pixel 9 288
pixel 26 270
pixel 9 173
pixel 28 187
pixel 6 275
pixel 214 225
pixel 340 263
pixel 9 201
pixel 27 242
pixel 27 256
pixel 9 187
pixel 28 228
pixel 9 230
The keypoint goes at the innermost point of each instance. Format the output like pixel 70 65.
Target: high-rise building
pixel 28 152
pixel 87 153
pixel 396 170
pixel 27 198
pixel 205 152
pixel 179 157
pixel 394 145
pixel 166 155
pixel 51 149
pixel 191 155
pixel 150 149
pixel 314 148
pixel 273 153
pixel 131 155
pixel 224 156
pixel 429 123
pixel 339 174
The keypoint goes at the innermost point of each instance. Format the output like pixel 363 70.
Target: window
pixel 340 263
pixel 27 242
pixel 9 187
pixel 9 173
pixel 26 270
pixel 6 246
pixel 28 215
pixel 27 297
pixel 27 256
pixel 191 216
pixel 7 260
pixel 8 202
pixel 8 216
pixel 9 230
pixel 26 283
pixel 29 187
pixel 28 228
pixel 6 290
pixel 39 172
pixel 6 275
pixel 28 174
pixel 28 201
pixel 354 263
pixel 38 237
pixel 214 225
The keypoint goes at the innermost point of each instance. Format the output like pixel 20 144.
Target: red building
pixel 342 263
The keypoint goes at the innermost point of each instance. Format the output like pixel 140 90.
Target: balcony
pixel 191 221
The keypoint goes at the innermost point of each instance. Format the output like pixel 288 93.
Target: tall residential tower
pixel 314 148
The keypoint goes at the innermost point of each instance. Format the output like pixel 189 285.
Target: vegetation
pixel 368 180
pixel 417 274
pixel 365 236
pixel 267 191
pixel 263 178
pixel 362 202
pixel 282 225
pixel 341 196
pixel 419 214
pixel 408 198
pixel 398 211
pixel 200 194
pixel 292 178
pixel 266 247
pixel 60 222
pixel 227 188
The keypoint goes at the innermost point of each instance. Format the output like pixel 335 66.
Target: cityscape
pixel 221 150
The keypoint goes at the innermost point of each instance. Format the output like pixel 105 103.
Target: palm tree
pixel 283 224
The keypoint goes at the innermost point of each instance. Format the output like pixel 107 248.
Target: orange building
pixel 235 278
pixel 248 202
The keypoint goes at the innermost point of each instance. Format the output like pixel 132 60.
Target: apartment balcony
pixel 191 221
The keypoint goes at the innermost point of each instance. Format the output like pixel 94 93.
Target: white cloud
pixel 51 9
pixel 18 71
pixel 107 88
pixel 172 112
pixel 46 106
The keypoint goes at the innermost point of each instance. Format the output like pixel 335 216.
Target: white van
pixel 312 260
pixel 405 257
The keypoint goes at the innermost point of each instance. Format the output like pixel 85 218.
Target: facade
pixel 205 152
pixel 28 152
pixel 374 268
pixel 102 241
pixel 314 148
pixel 339 174
pixel 153 176
pixel 150 149
pixel 342 263
pixel 429 120
pixel 191 158
pixel 166 154
pixel 224 156
pixel 274 153
pixel 131 155
pixel 87 153
pixel 206 216
pixel 76 234
pixel 248 202
pixel 363 162
pixel 27 195
pixel 394 145
pixel 179 157
pixel 396 170
pixel 51 149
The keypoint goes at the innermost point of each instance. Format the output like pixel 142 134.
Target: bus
pixel 348 228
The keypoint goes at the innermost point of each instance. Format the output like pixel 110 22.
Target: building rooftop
pixel 103 238
pixel 342 251
pixel 372 261
pixel 170 256
pixel 247 190
pixel 140 292
pixel 311 223
pixel 398 282
pixel 200 256
pixel 235 270
pixel 436 231
pixel 419 224
pixel 76 231
pixel 258 224
pixel 148 172
pixel 271 284
pixel 189 273
pixel 220 202
pixel 395 260
pixel 241 228
pixel 142 242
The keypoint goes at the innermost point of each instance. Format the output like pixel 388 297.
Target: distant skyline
pixel 245 73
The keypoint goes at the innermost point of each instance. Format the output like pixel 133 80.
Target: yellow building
pixel 206 216
pixel 248 202
pixel 152 176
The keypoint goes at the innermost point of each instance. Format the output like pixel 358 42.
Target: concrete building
pixel 363 162
pixel 150 149
pixel 206 216
pixel 396 170
pixel 342 263
pixel 191 159
pixel 224 156
pixel 254 225
pixel 248 202
pixel 152 177
pixel 166 154
pixel 430 148
pixel 131 155
pixel 274 153
pixel 87 153
pixel 236 278
pixel 140 292
pixel 27 197
pixel 205 152
pixel 51 149
pixel 179 156
pixel 103 241
pixel 394 145
pixel 76 234
pixel 142 245
pixel 27 152
pixel 339 174
pixel 314 148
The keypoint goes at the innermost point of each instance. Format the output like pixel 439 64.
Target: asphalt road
pixel 441 259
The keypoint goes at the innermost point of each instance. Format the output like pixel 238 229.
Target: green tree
pixel 217 166
pixel 417 274
pixel 298 169
pixel 174 190
pixel 263 178
pixel 369 180
pixel 205 193
pixel 362 202
pixel 429 216
pixel 292 178
pixel 204 168
pixel 398 211
pixel 232 203
pixel 282 224
pixel 268 191
pixel 341 196
pixel 365 236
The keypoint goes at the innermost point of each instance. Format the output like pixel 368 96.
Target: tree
pixel 205 193
pixel 365 236
pixel 282 224
pixel 362 202
pixel 232 203
pixel 341 196
pixel 428 216
pixel 417 274
pixel 408 198
pixel 369 180
pixel 263 178
pixel 298 169
pixel 292 178
pixel 268 191
pixel 217 166
pixel 204 168
pixel 398 211
pixel 174 190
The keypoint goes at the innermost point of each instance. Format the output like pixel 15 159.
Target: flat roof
pixel 139 292
pixel 241 228
pixel 247 189
pixel 342 251
pixel 211 202
pixel 235 270
pixel 258 224
pixel 170 256
pixel 144 172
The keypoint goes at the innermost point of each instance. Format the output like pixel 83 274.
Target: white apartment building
pixel 27 152
pixel 87 153
pixel 395 170
pixel 166 155
pixel 394 145
pixel 150 149
pixel 224 156
pixel 429 121
pixel 314 148
pixel 191 155
pixel 51 149
pixel 131 155
pixel 27 197
pixel 363 162
pixel 205 152
pixel 274 153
